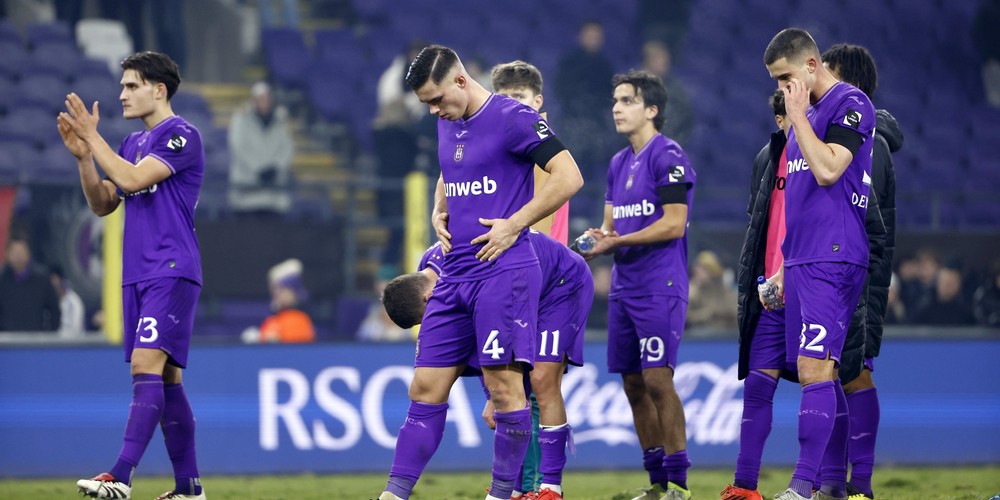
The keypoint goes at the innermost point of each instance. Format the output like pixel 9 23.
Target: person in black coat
pixel 856 66
pixel 28 301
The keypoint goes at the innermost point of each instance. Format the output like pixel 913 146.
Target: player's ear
pixel 460 80
pixel 539 100
pixel 161 91
pixel 427 294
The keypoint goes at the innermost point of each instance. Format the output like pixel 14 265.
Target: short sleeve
pixel 432 258
pixel 179 147
pixel 855 112
pixel 526 130
pixel 672 167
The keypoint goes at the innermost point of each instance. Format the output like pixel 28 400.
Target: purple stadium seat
pixel 324 87
pixel 9 33
pixel 189 102
pixel 88 67
pixel 38 34
pixel 56 58
pixel 12 63
pixel 31 124
pixel 47 91
pixel 8 94
pixel 287 56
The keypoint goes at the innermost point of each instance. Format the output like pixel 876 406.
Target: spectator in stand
pixel 986 300
pixel 71 308
pixel 28 302
pixel 260 141
pixel 657 59
pixel 396 134
pixel 948 306
pixel 712 301
pixel 895 311
pixel 289 324
pixel 917 279
pixel 986 37
pixel 581 87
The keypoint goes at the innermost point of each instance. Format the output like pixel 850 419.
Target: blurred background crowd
pixel 311 137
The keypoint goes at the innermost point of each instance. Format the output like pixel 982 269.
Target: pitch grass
pixel 931 483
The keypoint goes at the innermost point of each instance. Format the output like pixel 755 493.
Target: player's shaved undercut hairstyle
pixel 516 74
pixel 155 67
pixel 403 299
pixel 432 63
pixel 855 65
pixel 650 88
pixel 792 44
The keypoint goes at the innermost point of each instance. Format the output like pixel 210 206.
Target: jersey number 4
pixel 492 345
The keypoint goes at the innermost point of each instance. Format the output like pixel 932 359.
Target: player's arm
pixel 608 226
pixel 563 182
pixel 129 177
pixel 439 215
pixel 102 196
pixel 827 160
pixel 667 228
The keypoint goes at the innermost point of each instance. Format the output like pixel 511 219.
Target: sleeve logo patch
pixel 542 129
pixel 676 173
pixel 852 118
pixel 176 143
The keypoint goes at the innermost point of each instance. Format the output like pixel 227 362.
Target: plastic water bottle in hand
pixel 583 244
pixel 769 293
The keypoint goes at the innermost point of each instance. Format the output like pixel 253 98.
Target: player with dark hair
pixel 855 65
pixel 486 301
pixel 566 297
pixel 648 198
pixel 157 173
pixel 825 249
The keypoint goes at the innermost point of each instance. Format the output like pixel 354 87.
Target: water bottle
pixel 769 293
pixel 584 244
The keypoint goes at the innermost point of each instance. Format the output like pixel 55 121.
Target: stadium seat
pixel 287 56
pixel 106 40
pixel 9 32
pixel 43 90
pixel 184 102
pixel 30 124
pixel 38 34
pixel 12 63
pixel 57 59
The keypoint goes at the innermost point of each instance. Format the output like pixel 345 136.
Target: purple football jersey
pixel 559 264
pixel 634 181
pixel 827 224
pixel 488 174
pixel 159 236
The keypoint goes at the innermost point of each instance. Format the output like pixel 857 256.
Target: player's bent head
pixel 853 64
pixel 403 299
pixel 777 103
pixel 155 67
pixel 647 87
pixel 432 64
pixel 792 44
pixel 516 75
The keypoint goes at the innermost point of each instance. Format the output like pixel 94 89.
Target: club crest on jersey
pixel 628 183
pixel 176 143
pixel 459 152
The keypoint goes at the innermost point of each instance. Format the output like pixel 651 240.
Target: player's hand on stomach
pixel 441 229
pixel 502 235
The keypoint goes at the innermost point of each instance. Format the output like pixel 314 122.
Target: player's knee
pixel 862 382
pixel 635 387
pixel 812 370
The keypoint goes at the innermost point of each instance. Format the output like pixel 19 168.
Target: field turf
pixel 902 483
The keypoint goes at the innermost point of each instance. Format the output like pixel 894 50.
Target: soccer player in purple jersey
pixel 825 247
pixel 566 296
pixel 855 65
pixel 157 172
pixel 649 194
pixel 486 301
